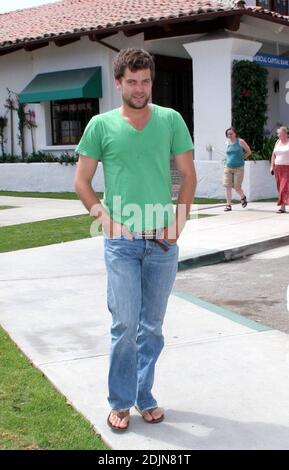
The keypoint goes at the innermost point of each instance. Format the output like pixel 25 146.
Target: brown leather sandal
pixel 121 414
pixel 244 201
pixel 150 411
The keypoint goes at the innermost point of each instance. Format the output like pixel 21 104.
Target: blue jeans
pixel 140 279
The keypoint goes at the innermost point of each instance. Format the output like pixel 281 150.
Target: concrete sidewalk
pixel 221 378
pixel 29 209
pixel 203 241
pixel 230 235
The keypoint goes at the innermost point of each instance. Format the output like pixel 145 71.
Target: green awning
pixel 63 85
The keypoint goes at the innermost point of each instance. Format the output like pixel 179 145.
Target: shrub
pixel 266 150
pixel 249 95
pixel 40 157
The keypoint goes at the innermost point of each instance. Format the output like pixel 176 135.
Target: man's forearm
pixel 185 199
pixel 93 204
pixel 90 200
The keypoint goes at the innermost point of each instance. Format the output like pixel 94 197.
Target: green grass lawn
pixel 33 415
pixel 7 207
pixel 205 200
pixel 200 216
pixel 46 195
pixel 68 195
pixel 198 200
pixel 46 232
pixel 38 194
pixel 273 199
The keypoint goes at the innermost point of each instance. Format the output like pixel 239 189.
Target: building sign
pixel 271 60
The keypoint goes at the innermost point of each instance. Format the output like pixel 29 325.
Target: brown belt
pixel 161 244
pixel 151 235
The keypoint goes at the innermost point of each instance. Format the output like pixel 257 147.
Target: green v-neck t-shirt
pixel 136 164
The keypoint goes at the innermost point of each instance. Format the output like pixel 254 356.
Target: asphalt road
pixel 255 287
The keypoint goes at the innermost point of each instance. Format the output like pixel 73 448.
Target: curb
pixel 232 254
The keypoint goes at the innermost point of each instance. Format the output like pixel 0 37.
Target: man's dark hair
pixel 134 59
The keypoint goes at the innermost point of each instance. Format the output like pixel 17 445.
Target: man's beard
pixel 129 102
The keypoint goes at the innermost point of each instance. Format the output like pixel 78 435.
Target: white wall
pixel 284 96
pixel 212 76
pixel 43 177
pixel 171 46
pixel 258 181
pixel 212 94
pixel 16 70
pixel 264 31
pixel 19 68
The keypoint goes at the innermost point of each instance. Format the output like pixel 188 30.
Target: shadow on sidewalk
pixel 213 432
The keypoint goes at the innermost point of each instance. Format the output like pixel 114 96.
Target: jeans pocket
pixel 112 237
pixel 169 243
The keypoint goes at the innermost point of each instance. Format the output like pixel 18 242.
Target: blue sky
pixel 19 4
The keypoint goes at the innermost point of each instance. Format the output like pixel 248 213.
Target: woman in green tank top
pixel 237 151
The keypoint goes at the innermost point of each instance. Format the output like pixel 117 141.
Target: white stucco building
pixel 58 57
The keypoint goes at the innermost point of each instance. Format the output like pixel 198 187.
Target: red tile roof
pixel 70 17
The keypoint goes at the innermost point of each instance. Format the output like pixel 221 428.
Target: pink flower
pixel 246 93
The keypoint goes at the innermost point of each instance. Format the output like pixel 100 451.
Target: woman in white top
pixel 280 166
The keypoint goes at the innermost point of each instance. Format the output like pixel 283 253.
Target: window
pixel 69 118
pixel 280 6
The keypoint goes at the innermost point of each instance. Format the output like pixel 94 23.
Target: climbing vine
pixel 249 101
pixel 25 119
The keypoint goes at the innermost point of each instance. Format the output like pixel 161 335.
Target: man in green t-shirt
pixel 135 144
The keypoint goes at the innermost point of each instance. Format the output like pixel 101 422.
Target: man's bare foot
pixel 118 420
pixel 152 415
